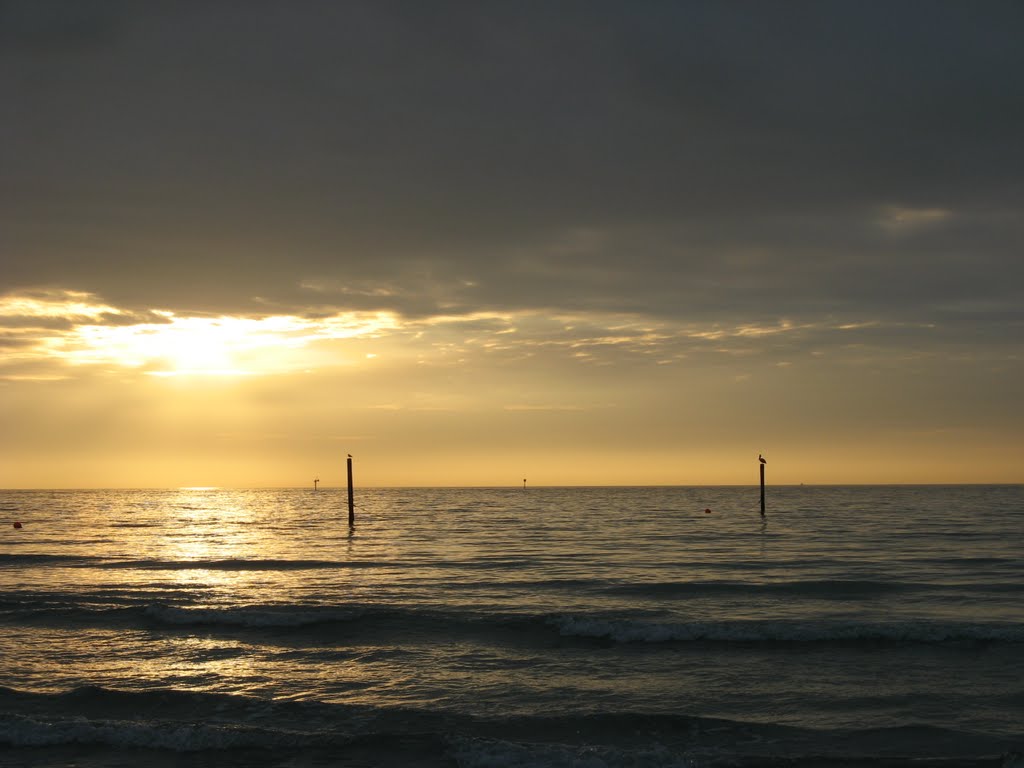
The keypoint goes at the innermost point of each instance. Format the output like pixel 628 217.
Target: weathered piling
pixel 762 462
pixel 351 496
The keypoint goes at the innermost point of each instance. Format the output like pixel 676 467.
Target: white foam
pixel 627 631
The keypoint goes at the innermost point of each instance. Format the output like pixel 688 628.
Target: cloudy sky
pixel 472 242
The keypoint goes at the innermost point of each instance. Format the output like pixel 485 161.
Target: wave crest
pixel 629 631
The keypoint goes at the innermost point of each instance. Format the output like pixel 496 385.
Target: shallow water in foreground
pixel 539 627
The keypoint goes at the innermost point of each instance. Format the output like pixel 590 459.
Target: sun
pixel 218 345
pixel 178 346
pixel 79 329
pixel 200 346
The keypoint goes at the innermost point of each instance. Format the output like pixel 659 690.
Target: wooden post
pixel 762 488
pixel 351 500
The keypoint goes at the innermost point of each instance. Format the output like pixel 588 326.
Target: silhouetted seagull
pixel 761 459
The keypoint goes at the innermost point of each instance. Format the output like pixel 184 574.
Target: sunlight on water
pixel 505 601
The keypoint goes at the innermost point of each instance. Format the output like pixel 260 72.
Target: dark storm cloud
pixel 692 160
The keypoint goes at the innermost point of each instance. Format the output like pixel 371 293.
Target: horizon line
pixel 494 487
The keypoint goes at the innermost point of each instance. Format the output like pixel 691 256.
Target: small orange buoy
pixel 17 525
pixel 707 511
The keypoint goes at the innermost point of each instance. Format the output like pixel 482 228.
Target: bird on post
pixel 761 459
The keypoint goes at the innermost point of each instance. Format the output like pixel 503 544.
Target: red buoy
pixel 707 511
pixel 17 525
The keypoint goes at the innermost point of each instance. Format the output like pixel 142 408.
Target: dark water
pixel 540 627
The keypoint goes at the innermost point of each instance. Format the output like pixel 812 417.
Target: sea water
pixel 516 627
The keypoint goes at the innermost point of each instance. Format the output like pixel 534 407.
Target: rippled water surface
pixel 857 610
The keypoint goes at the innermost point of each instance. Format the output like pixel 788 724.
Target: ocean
pixel 563 627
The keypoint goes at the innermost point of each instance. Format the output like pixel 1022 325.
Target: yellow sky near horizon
pixel 100 396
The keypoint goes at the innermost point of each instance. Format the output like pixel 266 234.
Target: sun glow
pixel 80 330
pixel 223 346
pixel 198 345
pixel 180 345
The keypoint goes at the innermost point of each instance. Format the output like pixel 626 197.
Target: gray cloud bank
pixel 695 161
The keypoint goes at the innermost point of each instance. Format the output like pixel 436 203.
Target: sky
pixel 581 243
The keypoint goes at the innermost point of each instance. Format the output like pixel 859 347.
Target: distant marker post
pixel 351 497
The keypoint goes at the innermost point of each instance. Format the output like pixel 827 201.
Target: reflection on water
pixel 484 597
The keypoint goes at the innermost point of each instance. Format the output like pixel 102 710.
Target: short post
pixel 762 487
pixel 351 499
